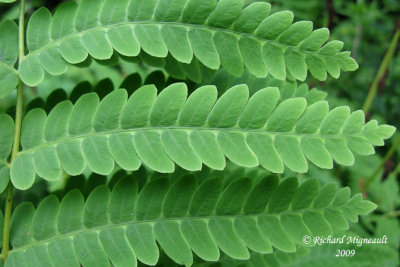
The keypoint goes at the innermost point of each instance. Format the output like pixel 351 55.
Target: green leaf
pixel 97 45
pixel 168 129
pixel 326 195
pixel 44 220
pixel 70 212
pixel 315 151
pixel 283 195
pixel 177 42
pixel 8 42
pixel 234 146
pixel 228 49
pixel 52 61
pixel 227 239
pixel 96 204
pixel 6 136
pixel 47 164
pixel 233 197
pixel 275 24
pixel 169 236
pixel 246 230
pixel 295 63
pixel 274 61
pixel 84 19
pixel 123 41
pixel 167 105
pixel 259 106
pixel 137 109
pixel 97 154
pixel 225 13
pixel 281 120
pixel 57 121
pixel 150 40
pixel 296 33
pixel 182 217
pixel 150 150
pixel 63 20
pixel 276 234
pixel 146 250
pixel 198 106
pixel 204 48
pixel 252 16
pixel 177 145
pixel 71 157
pixel 8 79
pixel 252 56
pixel 150 199
pixel 316 66
pixel 201 242
pixel 117 248
pixel 31 70
pixel 228 108
pixel 113 12
pixel 21 222
pixel 217 33
pixel 38 31
pixel 315 40
pixel 4 175
pixel 23 168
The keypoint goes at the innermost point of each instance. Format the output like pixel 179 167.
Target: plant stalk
pixel 385 159
pixel 17 135
pixel 381 72
pixel 395 213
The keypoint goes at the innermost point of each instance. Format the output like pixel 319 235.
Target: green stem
pixel 6 226
pixel 395 213
pixel 381 72
pixel 385 159
pixel 15 149
pixel 396 170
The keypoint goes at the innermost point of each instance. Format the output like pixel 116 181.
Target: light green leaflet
pixel 215 33
pixel 227 219
pixel 8 56
pixel 190 132
pixel 6 140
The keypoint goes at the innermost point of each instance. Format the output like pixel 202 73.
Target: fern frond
pixel 217 33
pixel 185 216
pixel 6 140
pixel 158 131
pixel 8 57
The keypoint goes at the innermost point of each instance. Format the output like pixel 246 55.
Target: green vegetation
pixel 199 133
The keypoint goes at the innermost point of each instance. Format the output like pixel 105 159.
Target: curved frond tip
pixel 217 33
pixel 160 130
pixel 183 217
